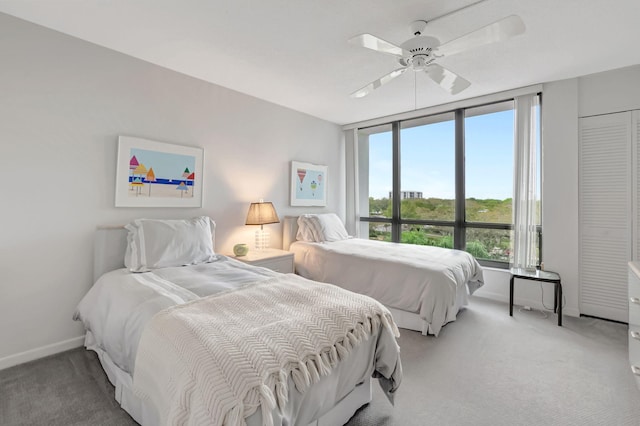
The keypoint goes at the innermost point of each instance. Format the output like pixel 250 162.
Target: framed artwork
pixel 157 174
pixel 308 184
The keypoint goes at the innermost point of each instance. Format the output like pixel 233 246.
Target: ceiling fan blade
pixel 374 43
pixel 377 83
pixel 448 80
pixel 498 31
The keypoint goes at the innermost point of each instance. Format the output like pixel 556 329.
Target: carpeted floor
pixel 484 369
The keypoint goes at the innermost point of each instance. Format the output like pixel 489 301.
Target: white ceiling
pixel 295 52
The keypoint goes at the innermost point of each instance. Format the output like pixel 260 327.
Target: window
pixel 427 161
pixel 443 180
pixel 488 138
pixel 375 149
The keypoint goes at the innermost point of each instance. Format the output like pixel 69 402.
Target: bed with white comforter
pixel 122 308
pixel 424 286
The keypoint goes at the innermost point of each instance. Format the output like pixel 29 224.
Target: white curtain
pixel 352 209
pixel 524 182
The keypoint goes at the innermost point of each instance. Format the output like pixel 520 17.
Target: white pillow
pixel 305 231
pixel 154 243
pixel 321 227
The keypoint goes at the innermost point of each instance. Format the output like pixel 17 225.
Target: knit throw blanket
pixel 216 360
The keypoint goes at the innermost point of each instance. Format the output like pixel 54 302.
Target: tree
pixel 377 207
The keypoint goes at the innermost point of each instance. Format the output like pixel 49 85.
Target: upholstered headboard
pixel 108 249
pixel 289 231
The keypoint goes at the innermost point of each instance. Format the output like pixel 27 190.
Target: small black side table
pixel 537 275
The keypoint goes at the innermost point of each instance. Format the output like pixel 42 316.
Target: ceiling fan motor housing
pixel 420 52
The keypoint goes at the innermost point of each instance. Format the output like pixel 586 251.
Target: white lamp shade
pixel 261 214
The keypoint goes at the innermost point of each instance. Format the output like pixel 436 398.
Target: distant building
pixel 408 194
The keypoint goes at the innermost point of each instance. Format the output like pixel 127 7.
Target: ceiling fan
pixel 421 52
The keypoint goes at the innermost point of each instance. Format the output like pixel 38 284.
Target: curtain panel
pixel 524 182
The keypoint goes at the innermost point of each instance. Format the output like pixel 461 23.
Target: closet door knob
pixel 636 370
pixel 635 300
pixel 635 335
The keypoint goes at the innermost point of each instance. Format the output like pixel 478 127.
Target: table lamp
pixel 262 213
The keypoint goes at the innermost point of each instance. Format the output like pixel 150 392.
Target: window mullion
pixel 459 234
pixel 395 202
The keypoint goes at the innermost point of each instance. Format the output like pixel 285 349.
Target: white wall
pixel 63 103
pixel 608 92
pixel 560 186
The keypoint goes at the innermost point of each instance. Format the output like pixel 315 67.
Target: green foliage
pixel 424 237
pixel 490 244
pixel 488 211
pixel 478 250
pixel 414 237
pixel 379 207
pixel 427 209
pixel 446 242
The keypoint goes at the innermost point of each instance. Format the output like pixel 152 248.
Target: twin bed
pixel 423 287
pixel 193 337
pixel 188 336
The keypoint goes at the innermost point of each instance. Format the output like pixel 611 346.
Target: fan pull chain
pixel 415 91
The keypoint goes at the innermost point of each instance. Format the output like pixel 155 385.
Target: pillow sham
pixel 155 243
pixel 326 227
pixel 305 230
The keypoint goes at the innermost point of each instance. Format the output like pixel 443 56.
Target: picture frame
pixel 158 174
pixel 308 184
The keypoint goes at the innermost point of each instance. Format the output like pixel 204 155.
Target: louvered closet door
pixel 605 182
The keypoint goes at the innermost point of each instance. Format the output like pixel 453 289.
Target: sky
pixel 427 155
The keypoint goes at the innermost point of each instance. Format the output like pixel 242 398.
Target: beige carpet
pixel 484 369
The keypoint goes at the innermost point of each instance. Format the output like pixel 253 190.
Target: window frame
pixel 459 223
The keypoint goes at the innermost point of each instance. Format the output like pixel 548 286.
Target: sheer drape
pixel 524 182
pixel 352 219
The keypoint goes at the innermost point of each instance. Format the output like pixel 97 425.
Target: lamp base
pixel 262 239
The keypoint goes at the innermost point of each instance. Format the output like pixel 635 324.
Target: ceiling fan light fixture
pixel 420 52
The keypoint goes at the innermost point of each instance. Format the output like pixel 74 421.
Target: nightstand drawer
pixel 283 265
pixel 274 259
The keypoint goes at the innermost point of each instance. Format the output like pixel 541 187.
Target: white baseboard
pixel 41 352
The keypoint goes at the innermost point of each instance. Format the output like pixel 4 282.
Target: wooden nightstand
pixel 274 259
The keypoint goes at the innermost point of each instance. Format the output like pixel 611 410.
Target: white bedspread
pixel 418 279
pixel 215 360
pixel 120 304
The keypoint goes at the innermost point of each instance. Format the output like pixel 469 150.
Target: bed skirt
pixel 123 383
pixel 412 321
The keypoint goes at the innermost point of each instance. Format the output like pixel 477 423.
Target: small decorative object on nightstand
pixel 274 259
pixel 240 249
